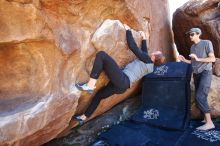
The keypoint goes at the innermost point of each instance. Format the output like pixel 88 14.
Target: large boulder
pixel 199 13
pixel 46 46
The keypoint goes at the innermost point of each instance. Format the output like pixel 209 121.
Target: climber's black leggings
pixel 119 81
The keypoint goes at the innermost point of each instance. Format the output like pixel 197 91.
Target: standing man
pixel 202 56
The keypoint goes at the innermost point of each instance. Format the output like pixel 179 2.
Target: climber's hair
pixel 159 59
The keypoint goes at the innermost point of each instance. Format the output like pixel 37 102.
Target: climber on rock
pixel 120 80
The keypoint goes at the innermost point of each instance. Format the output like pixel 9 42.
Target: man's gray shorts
pixel 202 83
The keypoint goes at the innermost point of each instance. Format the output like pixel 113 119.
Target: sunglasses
pixel 191 34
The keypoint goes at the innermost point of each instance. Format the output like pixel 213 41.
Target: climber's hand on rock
pixel 126 27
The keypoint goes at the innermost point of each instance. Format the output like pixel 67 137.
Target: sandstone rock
pixel 199 13
pixel 21 22
pixel 45 48
pixel 217 67
pixel 213 99
pixel 111 36
pixel 31 98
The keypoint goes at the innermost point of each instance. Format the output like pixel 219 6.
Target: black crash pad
pixel 166 97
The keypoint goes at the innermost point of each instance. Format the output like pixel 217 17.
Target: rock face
pixel 217 67
pixel 199 13
pixel 46 46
